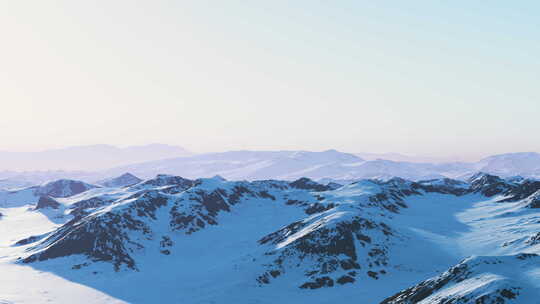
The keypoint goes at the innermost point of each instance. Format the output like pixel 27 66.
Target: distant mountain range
pixel 328 165
pixel 87 158
pixel 325 166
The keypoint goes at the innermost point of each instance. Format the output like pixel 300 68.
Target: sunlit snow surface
pixel 215 264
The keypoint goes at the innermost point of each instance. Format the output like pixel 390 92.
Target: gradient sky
pixel 419 77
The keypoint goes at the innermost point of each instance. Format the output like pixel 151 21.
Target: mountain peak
pixel 63 188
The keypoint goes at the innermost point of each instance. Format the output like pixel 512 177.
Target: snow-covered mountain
pixel 211 240
pixel 523 164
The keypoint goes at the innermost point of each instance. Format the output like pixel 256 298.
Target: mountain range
pixel 210 240
pixel 328 165
pixel 325 166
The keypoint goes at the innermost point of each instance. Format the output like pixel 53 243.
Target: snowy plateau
pixel 169 239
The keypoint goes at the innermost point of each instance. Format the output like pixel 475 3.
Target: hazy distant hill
pixel 88 158
pixel 326 165
pixel 330 165
pixel 407 158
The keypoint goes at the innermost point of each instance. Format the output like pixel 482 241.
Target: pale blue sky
pixel 419 77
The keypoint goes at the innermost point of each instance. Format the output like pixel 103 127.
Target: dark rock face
pixel 533 201
pixel 29 240
pixel 201 210
pixel 307 184
pixel 103 236
pixel 47 202
pixel 390 201
pixel 489 185
pixel 318 208
pixel 63 188
pixel 345 279
pixel 165 244
pixel 318 283
pixel 444 186
pixel 92 202
pixel 534 240
pixel 80 207
pixel 523 190
pixel 333 186
pixel 392 198
pixel 327 252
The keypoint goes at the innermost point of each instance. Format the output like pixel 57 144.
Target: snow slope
pixel 480 279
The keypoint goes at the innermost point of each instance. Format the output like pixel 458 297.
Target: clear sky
pixel 418 77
